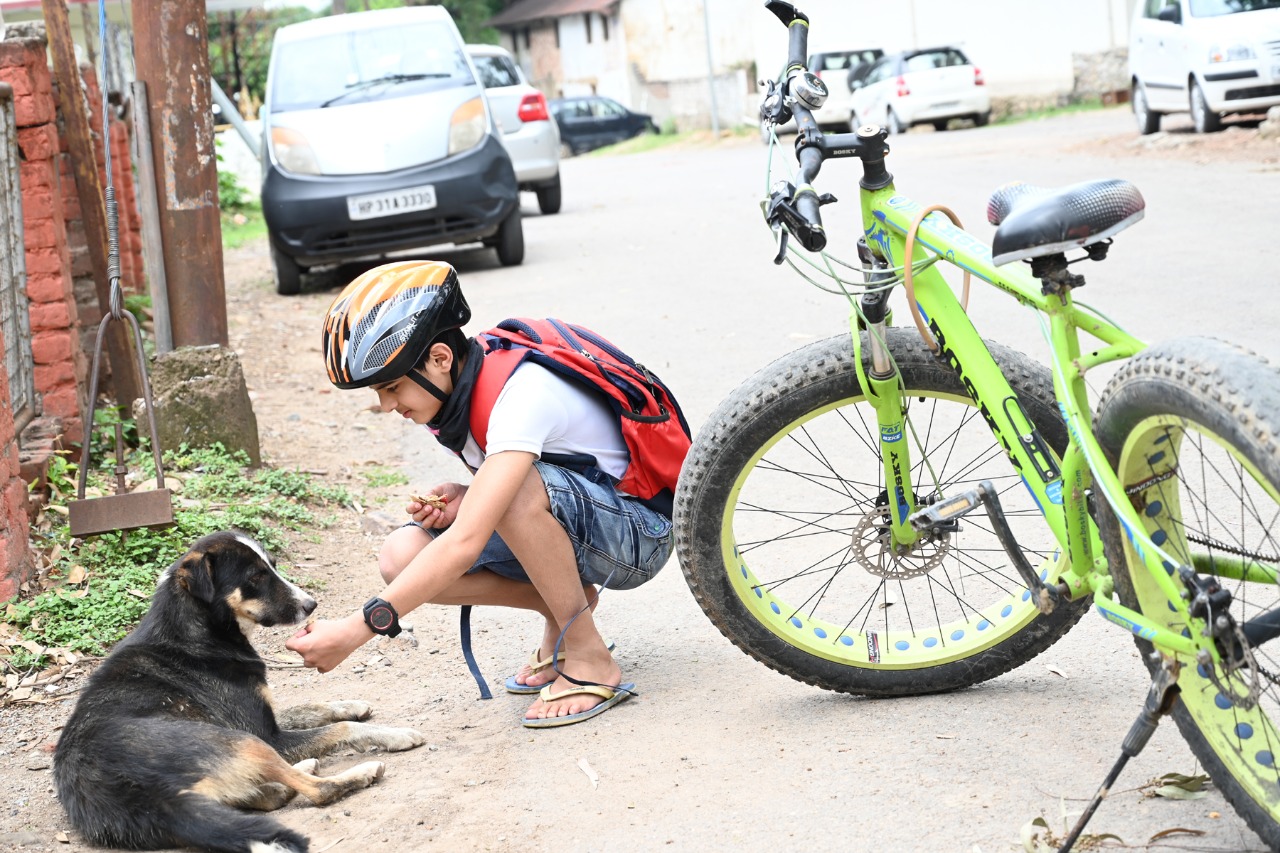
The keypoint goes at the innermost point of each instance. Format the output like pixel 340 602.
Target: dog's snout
pixel 306 604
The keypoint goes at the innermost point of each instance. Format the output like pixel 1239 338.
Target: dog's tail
pixel 206 824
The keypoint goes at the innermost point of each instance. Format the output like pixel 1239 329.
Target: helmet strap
pixel 427 386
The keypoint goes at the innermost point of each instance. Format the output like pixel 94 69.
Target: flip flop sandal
pixel 611 695
pixel 537 665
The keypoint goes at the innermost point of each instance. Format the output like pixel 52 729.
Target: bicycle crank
pixel 943 515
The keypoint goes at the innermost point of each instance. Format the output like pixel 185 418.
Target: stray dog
pixel 175 732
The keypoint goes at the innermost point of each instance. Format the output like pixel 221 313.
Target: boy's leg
pixel 545 551
pixel 479 588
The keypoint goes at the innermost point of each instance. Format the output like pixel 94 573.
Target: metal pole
pixel 233 116
pixel 711 72
pixel 172 57
pixel 152 243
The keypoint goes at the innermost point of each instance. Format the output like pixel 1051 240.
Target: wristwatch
pixel 381 617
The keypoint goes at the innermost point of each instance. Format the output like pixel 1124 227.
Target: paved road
pixel 666 252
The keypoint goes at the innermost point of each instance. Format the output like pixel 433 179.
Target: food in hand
pixel 436 501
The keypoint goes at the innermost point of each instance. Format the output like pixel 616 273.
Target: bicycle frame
pixel 1060 490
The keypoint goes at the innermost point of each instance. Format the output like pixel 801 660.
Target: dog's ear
pixel 195 575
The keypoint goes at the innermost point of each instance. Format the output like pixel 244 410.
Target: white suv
pixel 529 133
pixel 1211 57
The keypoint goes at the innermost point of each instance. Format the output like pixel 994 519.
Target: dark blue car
pixel 593 121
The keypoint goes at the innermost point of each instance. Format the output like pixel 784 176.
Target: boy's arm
pixel 445 559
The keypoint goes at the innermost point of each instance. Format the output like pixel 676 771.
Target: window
pixel 586 22
pixel 606 108
pixel 496 71
pixel 604 26
pixel 528 38
pixel 555 25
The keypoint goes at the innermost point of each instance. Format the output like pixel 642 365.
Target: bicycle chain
pixel 1231 549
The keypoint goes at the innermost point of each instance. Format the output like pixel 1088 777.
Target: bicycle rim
pixel 1207 505
pixel 799 531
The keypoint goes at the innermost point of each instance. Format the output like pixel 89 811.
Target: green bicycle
pixel 901 511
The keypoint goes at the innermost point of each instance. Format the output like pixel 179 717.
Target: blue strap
pixel 470 655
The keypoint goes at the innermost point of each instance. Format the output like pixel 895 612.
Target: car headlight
pixel 1231 53
pixel 293 151
pixel 466 128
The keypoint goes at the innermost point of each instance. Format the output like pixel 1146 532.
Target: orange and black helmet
pixel 381 325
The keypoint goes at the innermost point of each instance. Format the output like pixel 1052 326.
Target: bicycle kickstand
pixel 1164 688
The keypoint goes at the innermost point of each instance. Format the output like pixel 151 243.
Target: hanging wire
pixel 109 192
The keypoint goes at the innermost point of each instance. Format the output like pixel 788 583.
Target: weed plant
pixel 89 593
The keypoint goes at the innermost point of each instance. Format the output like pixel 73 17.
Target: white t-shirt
pixel 540 412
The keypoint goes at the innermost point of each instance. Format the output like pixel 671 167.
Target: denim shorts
pixel 619 542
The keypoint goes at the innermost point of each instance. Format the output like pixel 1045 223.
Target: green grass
pixel 1088 105
pixel 378 477
pixel 652 141
pixel 90 593
pixel 242 226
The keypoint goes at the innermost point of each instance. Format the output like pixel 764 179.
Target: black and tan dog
pixel 175 732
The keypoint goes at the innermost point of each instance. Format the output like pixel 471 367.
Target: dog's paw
pixel 370 771
pixel 351 709
pixel 308 766
pixel 398 740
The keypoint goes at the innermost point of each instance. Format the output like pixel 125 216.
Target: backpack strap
pixel 500 361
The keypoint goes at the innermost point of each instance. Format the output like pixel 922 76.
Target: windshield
pixel 1213 8
pixel 366 65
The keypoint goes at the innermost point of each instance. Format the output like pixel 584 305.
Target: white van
pixel 1212 57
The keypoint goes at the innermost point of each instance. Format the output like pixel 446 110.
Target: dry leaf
pixel 1056 671
pixel 591 774
pixel 76 575
pixel 62 838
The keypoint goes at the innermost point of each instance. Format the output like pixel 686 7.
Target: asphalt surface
pixel 666 252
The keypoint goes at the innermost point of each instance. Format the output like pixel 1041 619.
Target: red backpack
pixel 652 424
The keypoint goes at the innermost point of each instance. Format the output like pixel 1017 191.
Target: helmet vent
pixel 385 348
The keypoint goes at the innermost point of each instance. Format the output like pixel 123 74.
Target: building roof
pixel 525 11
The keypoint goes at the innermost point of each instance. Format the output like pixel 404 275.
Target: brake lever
pixel 782 247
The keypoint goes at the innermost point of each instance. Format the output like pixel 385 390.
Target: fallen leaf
pixel 1177 830
pixel 62 838
pixel 76 575
pixel 591 774
pixel 1056 671
pixel 945 737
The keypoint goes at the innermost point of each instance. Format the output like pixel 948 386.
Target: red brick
pixel 33 174
pixel 47 287
pixel 43 259
pixel 38 204
pixel 41 234
pixel 39 142
pixel 51 347
pixel 49 315
pixel 50 377
pixel 62 401
pixel 32 110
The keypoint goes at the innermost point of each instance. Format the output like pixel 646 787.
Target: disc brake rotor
pixel 874 550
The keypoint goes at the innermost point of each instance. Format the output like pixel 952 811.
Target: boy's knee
pixel 399 549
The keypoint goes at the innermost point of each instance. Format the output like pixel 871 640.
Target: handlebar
pixel 796 209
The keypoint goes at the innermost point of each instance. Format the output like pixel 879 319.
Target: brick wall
pixel 61 367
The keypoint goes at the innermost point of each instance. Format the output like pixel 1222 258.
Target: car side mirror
pixel 1172 14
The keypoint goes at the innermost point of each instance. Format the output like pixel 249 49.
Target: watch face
pixel 381 618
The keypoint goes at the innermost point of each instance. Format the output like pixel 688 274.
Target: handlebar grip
pixel 797 30
pixel 814 237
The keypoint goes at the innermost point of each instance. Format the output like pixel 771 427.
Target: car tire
pixel 549 196
pixel 941 125
pixel 1205 119
pixel 509 241
pixel 1148 121
pixel 894 123
pixel 288 273
pixel 982 119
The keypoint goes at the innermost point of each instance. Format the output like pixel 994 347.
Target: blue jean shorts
pixel 619 542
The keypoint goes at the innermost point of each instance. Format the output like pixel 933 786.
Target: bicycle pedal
pixel 945 514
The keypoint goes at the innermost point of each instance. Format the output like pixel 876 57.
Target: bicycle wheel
pixel 1193 427
pixel 780 508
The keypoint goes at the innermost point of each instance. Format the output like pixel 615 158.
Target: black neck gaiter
pixel 453 421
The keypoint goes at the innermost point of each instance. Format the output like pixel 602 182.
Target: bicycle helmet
pixel 380 326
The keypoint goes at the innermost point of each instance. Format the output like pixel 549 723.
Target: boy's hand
pixel 439 508
pixel 327 643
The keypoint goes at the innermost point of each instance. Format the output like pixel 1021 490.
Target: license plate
pixel 374 205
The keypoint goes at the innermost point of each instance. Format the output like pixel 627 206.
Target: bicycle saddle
pixel 1034 221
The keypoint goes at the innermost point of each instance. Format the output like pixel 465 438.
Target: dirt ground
pixel 435 796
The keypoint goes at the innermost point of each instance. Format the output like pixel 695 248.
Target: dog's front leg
pixel 322 713
pixel 296 745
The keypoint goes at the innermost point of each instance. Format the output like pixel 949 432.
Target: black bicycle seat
pixel 1035 221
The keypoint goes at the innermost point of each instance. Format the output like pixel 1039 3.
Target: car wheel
pixel 941 125
pixel 1205 119
pixel 566 150
pixel 894 124
pixel 549 196
pixel 288 273
pixel 510 240
pixel 1148 122
pixel 982 119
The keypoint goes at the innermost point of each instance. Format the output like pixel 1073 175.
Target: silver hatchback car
pixel 529 133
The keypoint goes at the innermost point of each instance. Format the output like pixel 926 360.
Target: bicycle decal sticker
pixel 891 434
pixel 1144 633
pixel 873 647
pixel 1054 492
